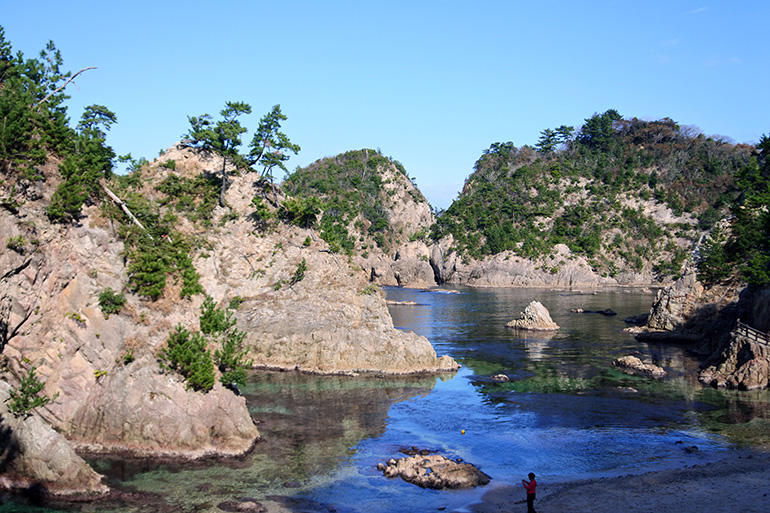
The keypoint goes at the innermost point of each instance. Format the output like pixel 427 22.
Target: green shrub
pixel 235 303
pixel 369 290
pixel 230 357
pixel 299 273
pixel 128 356
pixel 111 302
pixel 27 397
pixel 187 354
pixel 16 244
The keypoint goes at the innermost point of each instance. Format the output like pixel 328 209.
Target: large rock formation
pixel 706 319
pixel 742 360
pixel 675 306
pixel 534 317
pixel 560 269
pixel 113 395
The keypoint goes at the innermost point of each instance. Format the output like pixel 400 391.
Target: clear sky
pixel 431 83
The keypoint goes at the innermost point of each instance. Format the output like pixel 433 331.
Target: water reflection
pixel 566 412
pixel 312 423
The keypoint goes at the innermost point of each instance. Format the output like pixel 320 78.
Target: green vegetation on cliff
pixel 742 248
pixel 34 128
pixel 589 192
pixel 352 196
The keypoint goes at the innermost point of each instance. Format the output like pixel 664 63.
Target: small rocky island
pixel 535 317
pixel 434 471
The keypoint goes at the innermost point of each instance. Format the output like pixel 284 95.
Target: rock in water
pixel 435 472
pixel 635 364
pixel 534 317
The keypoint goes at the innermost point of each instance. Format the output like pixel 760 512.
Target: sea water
pixel 565 413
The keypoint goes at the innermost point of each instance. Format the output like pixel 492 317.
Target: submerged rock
pixel 534 317
pixel 435 472
pixel 607 311
pixel 635 364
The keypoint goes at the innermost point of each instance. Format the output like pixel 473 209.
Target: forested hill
pixel 368 201
pixel 627 194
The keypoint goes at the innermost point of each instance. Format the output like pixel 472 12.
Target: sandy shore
pixel 739 483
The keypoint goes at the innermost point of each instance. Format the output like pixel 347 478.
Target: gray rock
pixel 535 317
pixel 436 472
pixel 33 455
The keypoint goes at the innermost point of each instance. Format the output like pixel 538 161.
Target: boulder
pixel 535 317
pixel 435 472
pixel 634 364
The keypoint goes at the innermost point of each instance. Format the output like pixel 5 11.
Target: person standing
pixel 530 486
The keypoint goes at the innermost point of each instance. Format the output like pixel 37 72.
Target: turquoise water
pixel 565 413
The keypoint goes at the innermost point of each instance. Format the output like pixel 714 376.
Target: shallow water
pixel 566 413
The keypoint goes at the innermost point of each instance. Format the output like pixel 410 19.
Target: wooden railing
pixel 749 332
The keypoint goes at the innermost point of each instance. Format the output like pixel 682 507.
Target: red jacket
pixel 529 485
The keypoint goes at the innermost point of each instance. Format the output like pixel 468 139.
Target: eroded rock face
pixel 535 317
pixel 675 305
pixel 153 414
pixel 435 471
pixel 745 365
pixel 32 454
pixel 562 269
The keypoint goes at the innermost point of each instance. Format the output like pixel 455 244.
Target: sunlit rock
pixel 534 317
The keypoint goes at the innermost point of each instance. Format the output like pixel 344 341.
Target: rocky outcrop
pixel 742 361
pixel 744 365
pixel 34 456
pixel 706 320
pixel 561 269
pixel 535 317
pixel 54 298
pixel 154 415
pixel 113 396
pixel 687 313
pixel 332 321
pixel 675 306
pixel 410 267
pixel 634 364
pixel 435 472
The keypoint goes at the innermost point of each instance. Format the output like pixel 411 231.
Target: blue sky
pixel 430 83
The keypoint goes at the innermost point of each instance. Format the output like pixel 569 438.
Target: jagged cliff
pixel 399 245
pixel 711 322
pixel 111 392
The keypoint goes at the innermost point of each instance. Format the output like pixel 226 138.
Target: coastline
pixel 736 482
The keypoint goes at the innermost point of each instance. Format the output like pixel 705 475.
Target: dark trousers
pixel 531 503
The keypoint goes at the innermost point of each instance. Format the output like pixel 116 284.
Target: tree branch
pixel 63 86
pixel 122 205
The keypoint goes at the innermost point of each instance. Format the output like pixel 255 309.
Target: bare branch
pixel 122 205
pixel 63 85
